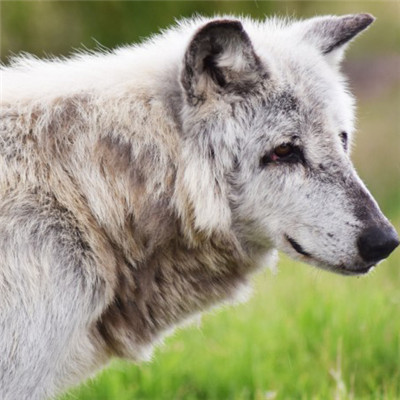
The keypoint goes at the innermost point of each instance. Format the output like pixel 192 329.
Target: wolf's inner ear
pixel 331 34
pixel 220 58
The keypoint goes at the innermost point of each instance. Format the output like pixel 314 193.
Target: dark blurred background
pixel 48 28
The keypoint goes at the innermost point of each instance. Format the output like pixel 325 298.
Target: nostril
pixel 375 243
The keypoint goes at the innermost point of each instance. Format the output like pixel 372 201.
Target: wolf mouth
pixel 339 269
pixel 297 246
pixel 345 270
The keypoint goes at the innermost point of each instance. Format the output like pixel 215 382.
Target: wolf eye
pixel 282 151
pixel 285 153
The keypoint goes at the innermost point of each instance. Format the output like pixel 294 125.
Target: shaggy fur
pixel 142 186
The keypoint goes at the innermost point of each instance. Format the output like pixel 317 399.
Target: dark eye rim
pixel 294 156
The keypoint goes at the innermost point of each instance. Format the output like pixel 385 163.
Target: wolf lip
pixel 297 246
pixel 357 270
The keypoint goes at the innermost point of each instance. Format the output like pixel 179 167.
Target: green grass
pixel 305 334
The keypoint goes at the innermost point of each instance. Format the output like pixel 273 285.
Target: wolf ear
pixel 220 58
pixel 331 34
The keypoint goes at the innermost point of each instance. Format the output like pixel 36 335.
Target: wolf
pixel 142 186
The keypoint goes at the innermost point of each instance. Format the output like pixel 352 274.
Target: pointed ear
pixel 220 59
pixel 331 34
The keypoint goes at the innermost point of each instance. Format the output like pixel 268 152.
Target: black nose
pixel 375 244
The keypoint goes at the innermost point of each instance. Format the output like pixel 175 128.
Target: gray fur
pixel 133 195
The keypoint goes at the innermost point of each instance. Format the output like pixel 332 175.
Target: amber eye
pixel 284 150
pixel 285 153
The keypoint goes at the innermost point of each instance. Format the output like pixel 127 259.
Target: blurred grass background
pixel 305 334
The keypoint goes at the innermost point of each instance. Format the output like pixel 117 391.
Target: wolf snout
pixel 376 243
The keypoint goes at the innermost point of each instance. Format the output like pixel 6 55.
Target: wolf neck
pixel 173 284
pixel 125 168
pixel 162 279
pixel 165 274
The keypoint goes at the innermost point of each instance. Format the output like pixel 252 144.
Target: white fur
pixel 133 195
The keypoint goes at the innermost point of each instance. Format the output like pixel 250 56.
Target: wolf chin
pixel 141 186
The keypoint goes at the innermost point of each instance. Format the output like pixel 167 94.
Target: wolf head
pixel 267 126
